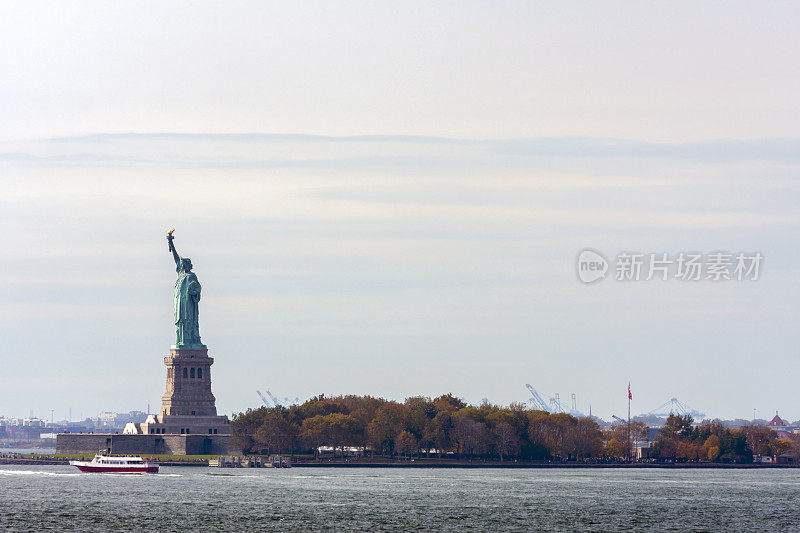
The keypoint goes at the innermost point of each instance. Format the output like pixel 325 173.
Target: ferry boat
pixel 114 464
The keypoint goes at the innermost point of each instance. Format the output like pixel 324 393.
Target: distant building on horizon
pixel 779 426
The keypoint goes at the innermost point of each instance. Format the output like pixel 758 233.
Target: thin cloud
pixel 780 151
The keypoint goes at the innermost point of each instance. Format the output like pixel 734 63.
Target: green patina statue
pixel 187 299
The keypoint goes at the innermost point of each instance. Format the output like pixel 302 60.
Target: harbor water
pixel 35 498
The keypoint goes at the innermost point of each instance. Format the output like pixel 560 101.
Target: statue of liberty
pixel 187 299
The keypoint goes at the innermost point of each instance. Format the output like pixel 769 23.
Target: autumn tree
pixel 433 436
pixel 585 439
pixel 469 435
pixel 759 438
pixel 506 440
pixel 384 428
pixel 448 403
pixel 794 446
pixel 276 435
pixel 677 427
pixel 342 430
pixel 614 449
pixel 406 443
pixel 244 426
pixel 553 431
pixel 712 448
pixel 313 432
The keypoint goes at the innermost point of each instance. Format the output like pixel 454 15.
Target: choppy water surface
pixel 307 499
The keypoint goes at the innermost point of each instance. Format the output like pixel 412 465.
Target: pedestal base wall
pixel 144 444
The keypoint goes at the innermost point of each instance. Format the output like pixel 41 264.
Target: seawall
pixel 169 444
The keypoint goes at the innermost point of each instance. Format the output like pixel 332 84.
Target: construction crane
pixel 263 399
pixel 574 411
pixel 276 401
pixel 675 406
pixel 555 404
pixel 536 399
pixel 618 419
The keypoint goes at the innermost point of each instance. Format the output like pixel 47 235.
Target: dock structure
pixel 235 461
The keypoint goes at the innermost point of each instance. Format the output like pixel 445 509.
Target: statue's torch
pixel 169 239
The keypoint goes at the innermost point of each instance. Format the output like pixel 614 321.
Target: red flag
pixel 630 396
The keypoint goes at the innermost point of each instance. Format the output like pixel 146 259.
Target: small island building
pixel 779 426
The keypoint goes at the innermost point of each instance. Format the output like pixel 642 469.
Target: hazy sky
pixel 389 201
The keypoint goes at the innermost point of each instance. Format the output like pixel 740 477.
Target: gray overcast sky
pixel 390 200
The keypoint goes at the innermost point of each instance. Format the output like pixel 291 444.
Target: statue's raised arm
pixel 172 249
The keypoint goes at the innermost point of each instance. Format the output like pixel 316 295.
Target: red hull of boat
pixel 118 469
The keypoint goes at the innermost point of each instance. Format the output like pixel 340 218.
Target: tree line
pixel 421 426
pixel 681 440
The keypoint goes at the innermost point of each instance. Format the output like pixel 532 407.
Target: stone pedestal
pixel 187 424
pixel 188 383
pixel 187 406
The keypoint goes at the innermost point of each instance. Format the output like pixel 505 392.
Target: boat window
pixel 192 376
pixel 199 373
pixel 181 431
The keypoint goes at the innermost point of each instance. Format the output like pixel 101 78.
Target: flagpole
pixel 629 421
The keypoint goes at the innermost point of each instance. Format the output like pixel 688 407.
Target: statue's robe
pixel 187 311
